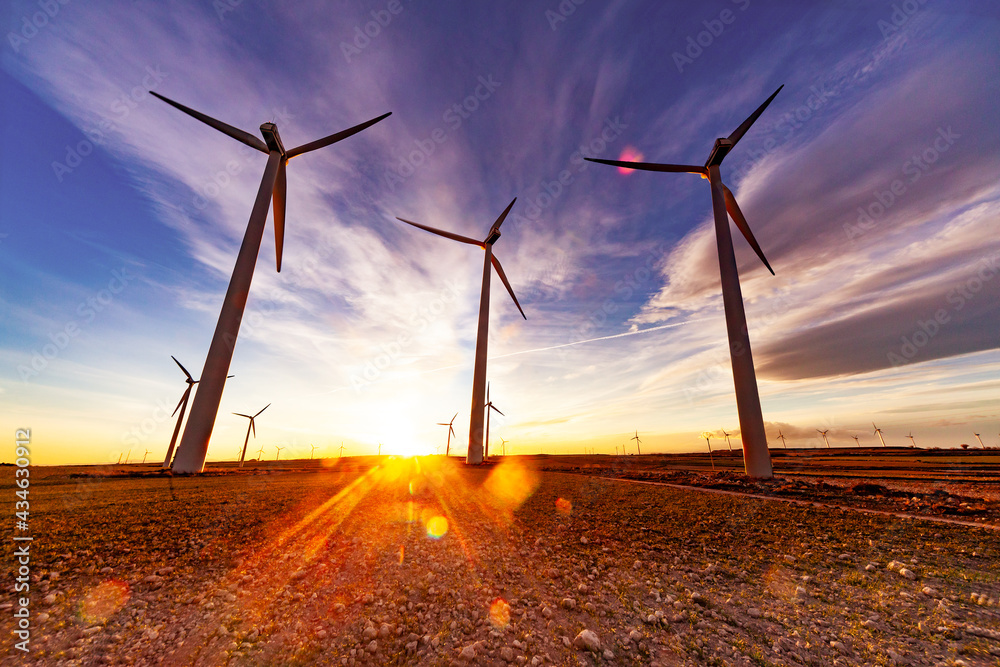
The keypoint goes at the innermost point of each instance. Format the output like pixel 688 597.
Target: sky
pixel 871 184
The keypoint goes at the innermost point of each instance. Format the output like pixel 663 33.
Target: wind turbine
pixel 249 428
pixel 278 455
pixel 489 406
pixel 756 457
pixel 451 432
pixel 312 451
pixel 260 453
pixel 194 443
pixel 975 434
pixel 781 437
pixel 120 455
pixel 856 440
pixel 341 449
pixel 182 406
pixel 823 433
pixel 380 449
pixel 878 432
pixel 475 451
pixel 144 456
pixel 637 441
pixel 130 454
pixel 707 435
pixel 503 446
pixel 727 439
pixel 912 441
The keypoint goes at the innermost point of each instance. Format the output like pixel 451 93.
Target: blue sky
pixel 871 184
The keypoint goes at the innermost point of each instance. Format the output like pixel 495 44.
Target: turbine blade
pixel 441 232
pixel 184 370
pixel 334 138
pixel 262 410
pixel 253 428
pixel 503 277
pixel 745 125
pixel 234 132
pixel 183 400
pixel 497 409
pixel 653 166
pixel 741 222
pixel 240 414
pixel 503 216
pixel 278 197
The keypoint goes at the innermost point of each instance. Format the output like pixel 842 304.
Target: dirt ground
pixel 527 561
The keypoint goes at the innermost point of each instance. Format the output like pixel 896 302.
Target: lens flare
pixel 629 154
pixel 437 526
pixel 499 613
pixel 564 506
pixel 511 483
pixel 104 601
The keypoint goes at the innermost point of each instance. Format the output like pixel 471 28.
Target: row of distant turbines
pixel 194 443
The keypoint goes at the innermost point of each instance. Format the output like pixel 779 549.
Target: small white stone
pixel 587 640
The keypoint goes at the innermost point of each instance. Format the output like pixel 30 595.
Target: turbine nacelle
pixel 719 151
pixel 271 137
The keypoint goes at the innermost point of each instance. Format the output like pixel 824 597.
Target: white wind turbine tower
pixel 250 427
pixel 312 451
pixel 878 432
pixel 856 440
pixel 341 449
pixel 451 432
pixel 707 435
pixel 489 406
pixel 912 441
pixel 756 457
pixel 727 439
pixel 503 446
pixel 637 443
pixel 781 437
pixel 475 451
pixel 260 453
pixel 278 455
pixel 144 456
pixel 975 434
pixel 193 449
pixel 823 433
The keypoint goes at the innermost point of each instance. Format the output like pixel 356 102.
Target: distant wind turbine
pixel 975 434
pixel 120 454
pixel 912 441
pixel 144 456
pixel 260 453
pixel 341 449
pixel 757 458
pixel 130 454
pixel 707 435
pixel 489 406
pixel 823 433
pixel 278 455
pixel 503 446
pixel 727 439
pixel 312 451
pixel 380 449
pixel 250 427
pixel 856 440
pixel 194 443
pixel 475 452
pixel 878 432
pixel 451 432
pixel 637 442
pixel 781 437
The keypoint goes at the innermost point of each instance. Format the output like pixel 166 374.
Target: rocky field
pixel 421 561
